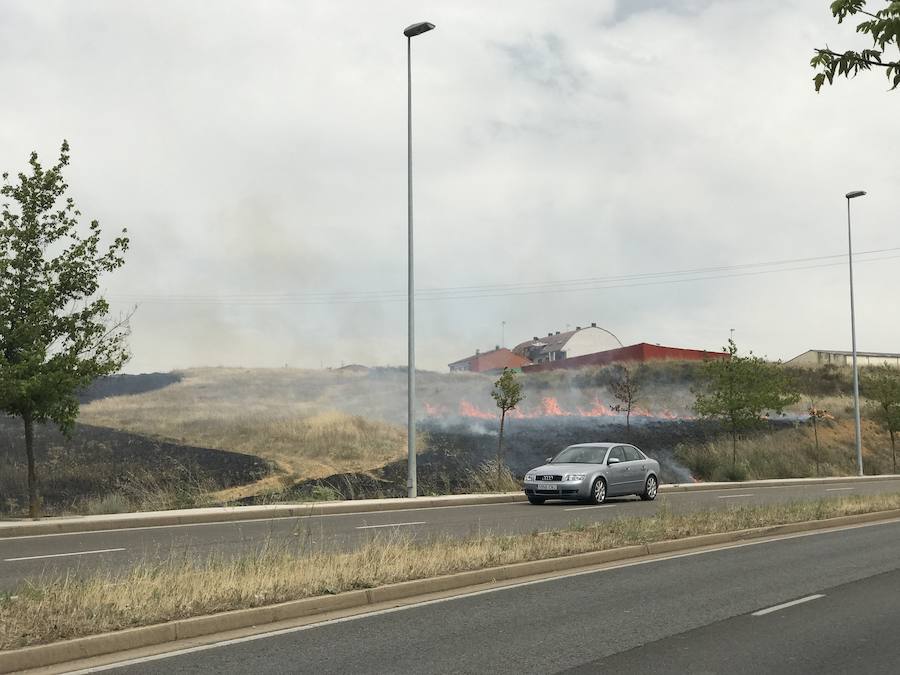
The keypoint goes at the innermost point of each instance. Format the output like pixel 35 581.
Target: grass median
pixel 183 586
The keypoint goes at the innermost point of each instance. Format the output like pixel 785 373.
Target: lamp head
pixel 855 193
pixel 418 29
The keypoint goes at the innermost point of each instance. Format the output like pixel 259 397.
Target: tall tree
pixel 507 393
pixel 882 25
pixel 881 386
pixel 739 389
pixel 625 388
pixel 55 336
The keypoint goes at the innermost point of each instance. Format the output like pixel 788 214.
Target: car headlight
pixel 529 477
pixel 574 476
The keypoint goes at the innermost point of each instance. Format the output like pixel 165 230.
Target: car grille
pixel 548 477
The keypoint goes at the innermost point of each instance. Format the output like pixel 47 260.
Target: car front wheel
pixel 536 500
pixel 651 487
pixel 598 491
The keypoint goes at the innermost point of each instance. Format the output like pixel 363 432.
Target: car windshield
pixel 581 455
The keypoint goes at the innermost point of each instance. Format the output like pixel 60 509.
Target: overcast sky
pixel 256 152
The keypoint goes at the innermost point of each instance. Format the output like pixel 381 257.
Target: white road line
pixel 734 496
pixel 595 506
pixel 785 605
pixel 836 489
pixel 372 527
pixel 63 555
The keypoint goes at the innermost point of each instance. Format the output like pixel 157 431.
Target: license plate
pixel 546 486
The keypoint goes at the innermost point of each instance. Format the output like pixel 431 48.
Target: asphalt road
pixel 821 603
pixel 23 558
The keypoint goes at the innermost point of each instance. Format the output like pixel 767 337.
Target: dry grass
pixel 184 587
pixel 285 416
pixel 486 478
pixel 791 453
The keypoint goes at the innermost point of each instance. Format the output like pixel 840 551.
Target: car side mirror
pixel 613 460
pixel 549 460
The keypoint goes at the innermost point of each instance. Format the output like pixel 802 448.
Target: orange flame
pixel 550 407
pixel 466 409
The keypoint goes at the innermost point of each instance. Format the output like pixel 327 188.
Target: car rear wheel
pixel 535 500
pixel 598 491
pixel 651 487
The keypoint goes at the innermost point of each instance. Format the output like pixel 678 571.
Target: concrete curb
pixel 133 638
pixel 227 514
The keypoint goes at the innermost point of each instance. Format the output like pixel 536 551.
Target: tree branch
pixel 859 59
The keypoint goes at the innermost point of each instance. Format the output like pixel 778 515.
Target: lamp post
pixel 853 195
pixel 411 490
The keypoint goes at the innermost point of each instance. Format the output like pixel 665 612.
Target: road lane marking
pixel 785 605
pixel 835 489
pixel 734 496
pixel 63 555
pixel 595 506
pixel 372 527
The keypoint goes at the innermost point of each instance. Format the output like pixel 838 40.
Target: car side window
pixel 632 454
pixel 617 452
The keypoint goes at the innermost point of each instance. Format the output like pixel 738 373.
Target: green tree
pixel 882 25
pixel 881 386
pixel 55 337
pixel 739 389
pixel 625 388
pixel 507 393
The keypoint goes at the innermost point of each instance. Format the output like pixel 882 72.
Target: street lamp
pixel 411 490
pixel 853 195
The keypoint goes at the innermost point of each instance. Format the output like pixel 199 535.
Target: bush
pixel 730 473
pixel 702 460
pixel 485 478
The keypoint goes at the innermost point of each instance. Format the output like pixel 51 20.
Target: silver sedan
pixel 592 472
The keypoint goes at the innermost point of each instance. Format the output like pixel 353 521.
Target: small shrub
pixel 702 460
pixel 486 478
pixel 114 502
pixel 730 473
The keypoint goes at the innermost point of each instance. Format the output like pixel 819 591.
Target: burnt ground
pixel 455 448
pixel 96 461
pixel 126 385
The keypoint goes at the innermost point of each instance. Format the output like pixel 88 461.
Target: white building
pixel 816 358
pixel 558 346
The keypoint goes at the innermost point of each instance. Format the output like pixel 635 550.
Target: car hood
pixel 564 468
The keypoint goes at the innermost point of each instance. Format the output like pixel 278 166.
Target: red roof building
pixel 640 352
pixel 483 362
